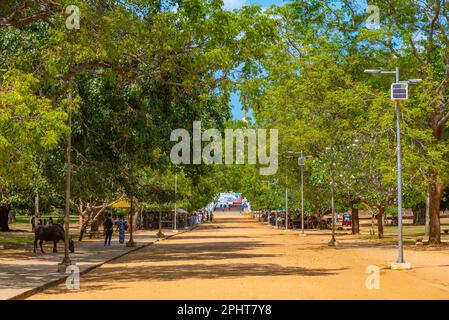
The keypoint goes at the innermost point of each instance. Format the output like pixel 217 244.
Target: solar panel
pixel 399 91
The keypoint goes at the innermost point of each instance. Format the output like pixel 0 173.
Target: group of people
pixel 121 224
pixel 39 222
pixel 108 225
pixel 202 216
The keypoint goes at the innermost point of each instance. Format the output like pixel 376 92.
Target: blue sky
pixel 237 111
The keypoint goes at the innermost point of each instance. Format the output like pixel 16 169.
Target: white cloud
pixel 233 4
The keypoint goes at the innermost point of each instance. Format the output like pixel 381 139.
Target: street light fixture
pixel 286 192
pixel 301 163
pixel 66 262
pixel 373 71
pixel 400 263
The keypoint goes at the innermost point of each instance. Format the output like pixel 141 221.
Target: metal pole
pixel 333 242
pixel 286 204
pixel 398 128
pixel 302 199
pixel 66 260
pixel 399 165
pixel 176 191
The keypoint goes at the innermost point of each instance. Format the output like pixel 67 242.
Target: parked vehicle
pixel 346 219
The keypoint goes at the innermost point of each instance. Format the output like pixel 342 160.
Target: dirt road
pixel 238 258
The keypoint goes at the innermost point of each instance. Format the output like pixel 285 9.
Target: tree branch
pixel 46 7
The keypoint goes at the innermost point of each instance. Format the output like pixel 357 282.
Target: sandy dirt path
pixel 238 258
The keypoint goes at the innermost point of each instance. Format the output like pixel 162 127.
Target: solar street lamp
pixel 399 92
pixel 301 163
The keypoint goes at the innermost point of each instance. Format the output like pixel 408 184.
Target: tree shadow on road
pixel 102 279
pixel 174 261
pixel 195 251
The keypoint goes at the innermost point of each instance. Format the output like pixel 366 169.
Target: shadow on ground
pixel 176 272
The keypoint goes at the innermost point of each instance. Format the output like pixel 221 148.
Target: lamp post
pixel 286 194
pixel 286 202
pixel 176 213
pixel 62 267
pixel 333 242
pixel 301 163
pixel 400 263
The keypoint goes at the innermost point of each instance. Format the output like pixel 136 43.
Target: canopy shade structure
pixel 121 204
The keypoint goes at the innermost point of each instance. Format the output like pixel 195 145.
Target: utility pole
pixel 176 213
pixel 333 241
pixel 286 202
pixel 62 267
pixel 399 91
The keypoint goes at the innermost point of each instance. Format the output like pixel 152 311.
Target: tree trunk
pixel 355 220
pixel 97 218
pixel 4 214
pixel 419 215
pixel 83 229
pixel 320 221
pixel 160 219
pixel 136 220
pixel 81 222
pixel 435 192
pixel 131 223
pixel 36 207
pixel 380 221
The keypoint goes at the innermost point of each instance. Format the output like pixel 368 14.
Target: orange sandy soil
pixel 239 258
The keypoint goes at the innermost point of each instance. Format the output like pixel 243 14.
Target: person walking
pixel 122 227
pixel 108 225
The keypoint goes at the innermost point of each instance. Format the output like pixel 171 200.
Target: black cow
pixel 55 233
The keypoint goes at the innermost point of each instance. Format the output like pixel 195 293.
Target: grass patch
pixel 23 222
pixel 18 239
pixel 23 239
